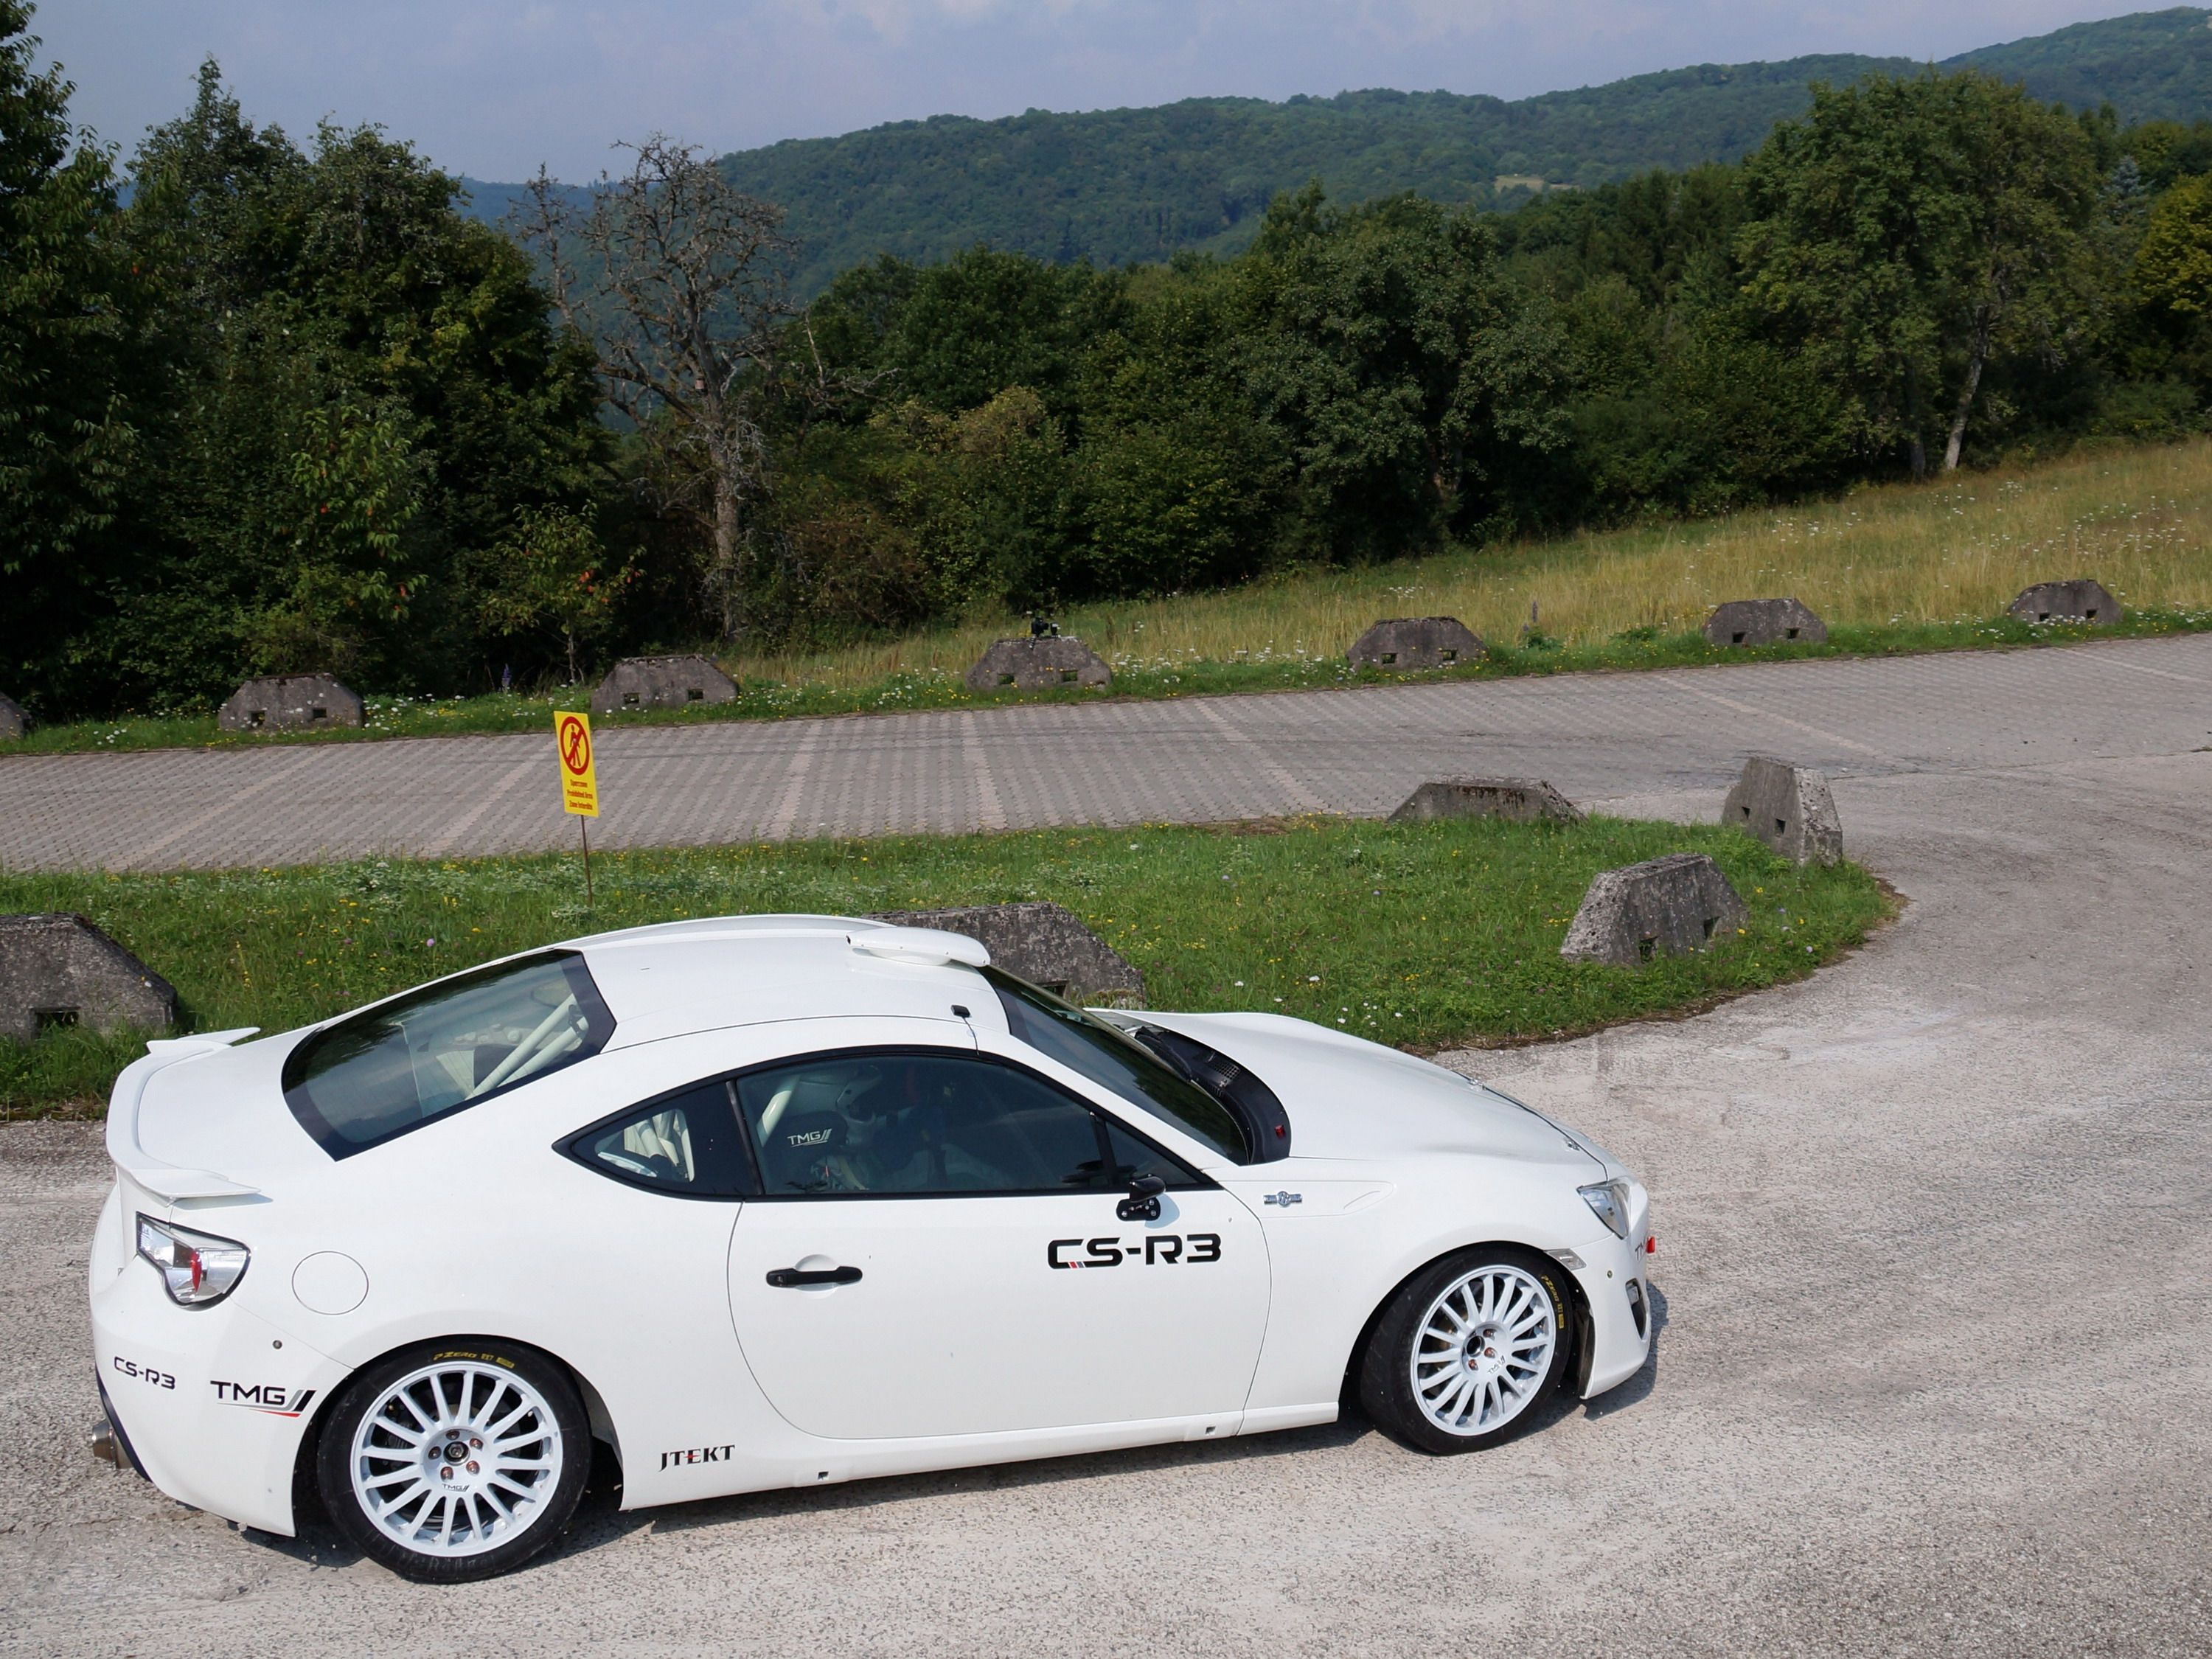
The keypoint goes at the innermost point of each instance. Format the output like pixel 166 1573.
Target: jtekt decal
pixel 697 1455
pixel 1169 1249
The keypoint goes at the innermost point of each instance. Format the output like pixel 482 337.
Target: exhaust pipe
pixel 108 1441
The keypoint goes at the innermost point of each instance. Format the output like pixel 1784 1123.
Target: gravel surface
pixel 1934 1374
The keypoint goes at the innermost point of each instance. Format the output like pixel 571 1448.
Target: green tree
pixel 70 347
pixel 330 308
pixel 1179 478
pixel 353 566
pixel 2173 262
pixel 1409 377
pixel 1910 230
pixel 551 572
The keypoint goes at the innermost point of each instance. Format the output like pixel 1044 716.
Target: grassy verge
pixel 1420 935
pixel 1902 568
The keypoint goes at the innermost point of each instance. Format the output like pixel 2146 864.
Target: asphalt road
pixel 1198 759
pixel 1934 1374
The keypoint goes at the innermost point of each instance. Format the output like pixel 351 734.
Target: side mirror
pixel 1142 1203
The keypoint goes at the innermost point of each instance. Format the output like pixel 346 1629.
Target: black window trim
pixel 571 1145
pixel 1245 1132
pixel 309 1116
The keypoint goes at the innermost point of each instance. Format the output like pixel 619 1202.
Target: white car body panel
pixel 960 1344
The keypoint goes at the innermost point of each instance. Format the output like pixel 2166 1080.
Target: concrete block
pixel 1036 664
pixel 57 969
pixel 289 703
pixel 2080 600
pixel 1517 800
pixel 1407 643
pixel 11 718
pixel 1763 622
pixel 1663 907
pixel 662 683
pixel 1045 944
pixel 1788 808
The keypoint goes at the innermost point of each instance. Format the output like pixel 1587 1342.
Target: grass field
pixel 1419 935
pixel 1899 568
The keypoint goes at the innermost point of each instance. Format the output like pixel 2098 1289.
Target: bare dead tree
pixel 682 281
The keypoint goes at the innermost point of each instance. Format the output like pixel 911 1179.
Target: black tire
pixel 1387 1369
pixel 473 1375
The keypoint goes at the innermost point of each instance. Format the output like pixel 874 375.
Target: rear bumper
pixel 209 1404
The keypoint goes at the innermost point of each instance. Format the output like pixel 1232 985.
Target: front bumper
pixel 1616 1287
pixel 211 1402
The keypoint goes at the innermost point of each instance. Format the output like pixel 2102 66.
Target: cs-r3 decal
pixel 144 1373
pixel 264 1397
pixel 697 1455
pixel 1168 1248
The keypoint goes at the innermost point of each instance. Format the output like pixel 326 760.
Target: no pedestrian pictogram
pixel 580 782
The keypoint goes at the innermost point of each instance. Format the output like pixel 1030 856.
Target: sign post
pixel 579 780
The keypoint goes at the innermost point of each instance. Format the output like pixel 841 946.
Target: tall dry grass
pixel 2139 519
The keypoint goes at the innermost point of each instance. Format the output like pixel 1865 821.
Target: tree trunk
pixel 1916 452
pixel 728 576
pixel 1981 351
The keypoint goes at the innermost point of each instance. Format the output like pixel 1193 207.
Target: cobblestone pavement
pixel 1598 737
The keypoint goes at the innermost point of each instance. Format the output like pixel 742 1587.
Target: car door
pixel 937 1251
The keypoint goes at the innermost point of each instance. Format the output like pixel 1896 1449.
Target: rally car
pixel 772 1201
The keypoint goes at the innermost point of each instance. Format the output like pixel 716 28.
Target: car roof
pixel 717 971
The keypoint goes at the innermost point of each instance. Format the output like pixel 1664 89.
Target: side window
pixel 1133 1158
pixel 925 1124
pixel 686 1144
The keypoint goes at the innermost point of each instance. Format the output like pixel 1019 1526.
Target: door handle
pixel 785 1278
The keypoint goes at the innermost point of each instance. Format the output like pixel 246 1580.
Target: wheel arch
pixel 307 1491
pixel 1576 1373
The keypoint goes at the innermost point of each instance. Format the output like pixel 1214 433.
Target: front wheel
pixel 455 1461
pixel 1466 1348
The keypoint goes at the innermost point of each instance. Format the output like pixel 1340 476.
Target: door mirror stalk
pixel 1142 1203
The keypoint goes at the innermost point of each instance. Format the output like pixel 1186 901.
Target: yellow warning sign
pixel 580 782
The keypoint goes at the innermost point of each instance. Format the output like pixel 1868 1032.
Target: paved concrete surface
pixel 1204 758
pixel 1935 1375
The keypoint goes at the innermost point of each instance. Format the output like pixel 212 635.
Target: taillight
pixel 197 1269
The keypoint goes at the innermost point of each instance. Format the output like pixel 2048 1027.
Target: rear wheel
pixel 456 1460
pixel 1466 1348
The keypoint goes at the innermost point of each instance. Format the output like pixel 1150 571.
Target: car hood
pixel 1352 1099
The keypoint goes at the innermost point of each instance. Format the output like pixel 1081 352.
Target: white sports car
pixel 783 1201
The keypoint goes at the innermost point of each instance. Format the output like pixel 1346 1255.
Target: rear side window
pixel 396 1067
pixel 687 1144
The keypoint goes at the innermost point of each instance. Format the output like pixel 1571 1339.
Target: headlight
pixel 197 1269
pixel 1608 1202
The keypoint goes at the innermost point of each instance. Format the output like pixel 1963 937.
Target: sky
pixel 492 88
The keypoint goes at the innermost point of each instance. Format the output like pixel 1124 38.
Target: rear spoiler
pixel 165 1180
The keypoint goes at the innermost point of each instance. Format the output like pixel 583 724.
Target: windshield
pixel 1115 1061
pixel 395 1066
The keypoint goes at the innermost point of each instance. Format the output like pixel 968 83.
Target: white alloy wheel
pixel 457 1458
pixel 1483 1348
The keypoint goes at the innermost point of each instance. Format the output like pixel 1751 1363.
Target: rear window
pixel 397 1066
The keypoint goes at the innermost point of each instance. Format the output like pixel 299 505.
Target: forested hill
pixel 1117 186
